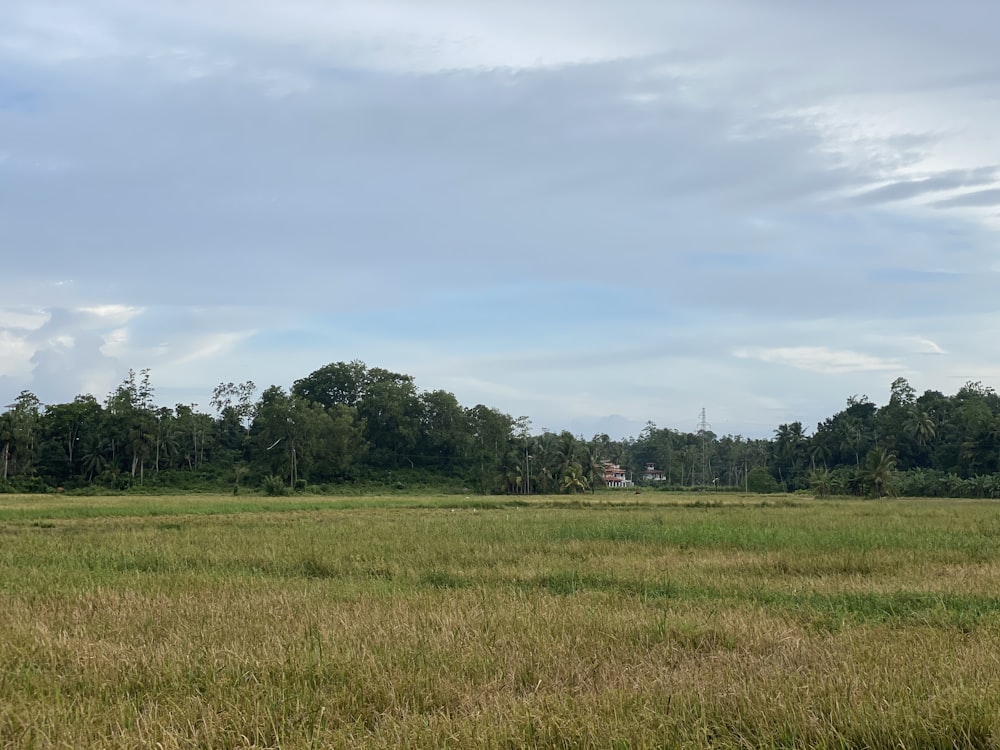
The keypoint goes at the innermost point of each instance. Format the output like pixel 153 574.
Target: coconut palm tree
pixel 879 472
pixel 572 479
pixel 93 461
pixel 819 452
pixel 821 482
pixel 921 426
pixel 593 466
pixel 511 476
pixel 789 450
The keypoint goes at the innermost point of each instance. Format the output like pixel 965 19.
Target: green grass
pixel 600 621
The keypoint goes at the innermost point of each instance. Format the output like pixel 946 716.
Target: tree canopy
pixel 347 422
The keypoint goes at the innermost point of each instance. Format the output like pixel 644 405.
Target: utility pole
pixel 703 428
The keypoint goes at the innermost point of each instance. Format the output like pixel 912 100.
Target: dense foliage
pixel 350 424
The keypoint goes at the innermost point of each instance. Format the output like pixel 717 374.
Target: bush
pixel 759 480
pixel 24 485
pixel 274 486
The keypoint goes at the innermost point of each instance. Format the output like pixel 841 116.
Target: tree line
pixel 927 445
pixel 348 423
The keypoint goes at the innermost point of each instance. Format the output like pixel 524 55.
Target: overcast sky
pixel 592 213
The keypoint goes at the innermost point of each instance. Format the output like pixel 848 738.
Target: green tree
pixel 344 383
pixel 235 400
pixel 301 440
pixel 821 482
pixel 879 473
pixel 491 435
pixel 132 422
pixel 789 454
pixel 445 432
pixel 759 480
pixel 573 480
pixel 23 434
pixel 920 425
pixel 193 432
pixel 6 443
pixel 593 466
pixel 65 427
pixel 390 411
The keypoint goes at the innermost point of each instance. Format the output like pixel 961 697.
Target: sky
pixel 595 214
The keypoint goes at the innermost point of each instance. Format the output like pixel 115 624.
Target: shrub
pixel 760 480
pixel 274 486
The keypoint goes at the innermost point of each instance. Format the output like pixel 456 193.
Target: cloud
pixel 926 346
pixel 15 355
pixel 904 344
pixel 821 359
pixel 203 347
pixel 118 314
pixel 22 320
pixel 116 343
pixel 974 199
pixel 915 188
pixel 571 209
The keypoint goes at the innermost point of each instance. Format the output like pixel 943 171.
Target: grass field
pixel 614 621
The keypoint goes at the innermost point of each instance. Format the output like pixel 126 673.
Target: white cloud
pixel 208 346
pixel 821 359
pixel 113 313
pixel 623 193
pixel 15 355
pixel 903 343
pixel 27 320
pixel 925 346
pixel 116 343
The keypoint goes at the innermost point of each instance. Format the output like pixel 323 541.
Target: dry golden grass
pixel 802 624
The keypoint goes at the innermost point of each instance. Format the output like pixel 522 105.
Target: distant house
pixel 652 474
pixel 614 476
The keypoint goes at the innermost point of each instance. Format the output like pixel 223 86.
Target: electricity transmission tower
pixel 703 429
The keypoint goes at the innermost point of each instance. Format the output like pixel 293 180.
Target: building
pixel 652 474
pixel 615 476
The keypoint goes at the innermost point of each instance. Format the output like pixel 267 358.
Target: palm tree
pixel 565 453
pixel 819 452
pixel 593 466
pixel 789 444
pixel 139 443
pixel 821 481
pixel 920 426
pixel 93 461
pixel 572 479
pixel 511 476
pixel 850 438
pixel 880 472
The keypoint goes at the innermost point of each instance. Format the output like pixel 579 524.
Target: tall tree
pixel 300 440
pixel 6 443
pixel 66 427
pixel 20 449
pixel 390 410
pixel 491 435
pixel 445 432
pixel 343 383
pixel 880 472
pixel 789 454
